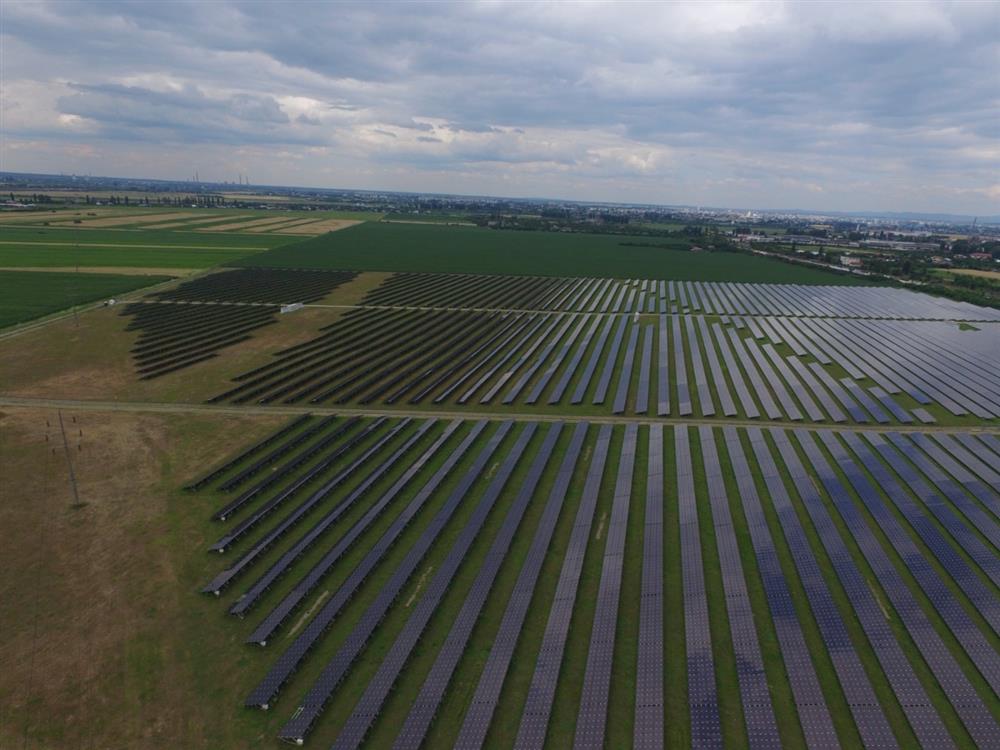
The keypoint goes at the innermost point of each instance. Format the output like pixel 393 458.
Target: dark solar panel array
pixel 960 500
pixel 194 321
pixel 982 654
pixel 601 392
pixel 871 722
pixel 322 525
pixel 650 707
pixel 703 705
pixel 432 692
pixel 953 681
pixel 290 660
pixel 593 709
pixel 296 461
pixel 541 693
pixel 270 538
pixel 762 728
pixel 906 523
pixel 912 697
pixel 484 702
pixel 645 362
pixel 625 378
pixel 814 716
pixel 543 381
pixel 680 369
pixel 284 609
pixel 705 401
pixel 370 704
pixel 662 369
pixel 327 462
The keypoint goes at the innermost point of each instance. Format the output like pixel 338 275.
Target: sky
pixel 836 106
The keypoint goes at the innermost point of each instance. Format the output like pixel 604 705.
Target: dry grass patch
pixel 238 225
pixel 106 642
pixel 983 274
pixel 320 227
pixel 138 218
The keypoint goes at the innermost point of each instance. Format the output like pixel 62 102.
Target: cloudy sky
pixel 839 106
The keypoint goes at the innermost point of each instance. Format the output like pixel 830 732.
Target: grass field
pixel 63 235
pixel 151 248
pixel 31 294
pixel 417 247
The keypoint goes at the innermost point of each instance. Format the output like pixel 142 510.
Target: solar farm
pixel 365 507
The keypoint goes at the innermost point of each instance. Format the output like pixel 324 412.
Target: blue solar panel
pixel 422 712
pixel 706 729
pixel 762 728
pixel 593 709
pixel 954 683
pixel 868 716
pixel 541 693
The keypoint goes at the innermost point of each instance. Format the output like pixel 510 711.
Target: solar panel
pixel 278 568
pixel 871 722
pixel 593 709
pixel 705 402
pixel 762 727
pixel 543 381
pixel 680 369
pixel 610 361
pixel 588 371
pixel 648 730
pixel 356 726
pixel 477 719
pixel 288 663
pixel 982 654
pixel 422 712
pixel 538 704
pixel 628 363
pixel 814 716
pixel 718 379
pixel 662 369
pixel 953 681
pixel 706 729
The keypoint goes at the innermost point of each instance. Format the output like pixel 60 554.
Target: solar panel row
pixel 370 703
pixel 762 728
pixel 541 693
pixel 484 702
pixel 892 537
pixel 425 706
pixel 593 709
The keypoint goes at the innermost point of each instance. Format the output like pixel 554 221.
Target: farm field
pixel 196 219
pixel 25 295
pixel 432 509
pixel 436 248
pixel 59 247
pixel 992 275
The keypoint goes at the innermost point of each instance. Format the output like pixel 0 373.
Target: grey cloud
pixel 769 88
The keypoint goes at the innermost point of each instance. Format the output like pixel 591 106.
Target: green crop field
pixel 20 255
pixel 435 248
pixel 71 235
pixel 30 294
pixel 34 247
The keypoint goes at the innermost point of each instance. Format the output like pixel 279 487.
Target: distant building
pixel 850 261
pixel 980 256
